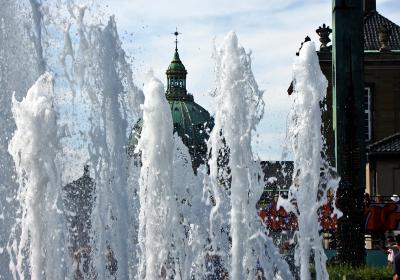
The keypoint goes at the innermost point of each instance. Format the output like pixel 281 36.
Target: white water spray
pixel 309 191
pixel 18 71
pixel 101 76
pixel 190 230
pixel 240 108
pixel 34 147
pixel 157 201
pixel 36 34
pixel 174 208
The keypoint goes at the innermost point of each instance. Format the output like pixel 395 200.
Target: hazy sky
pixel 271 29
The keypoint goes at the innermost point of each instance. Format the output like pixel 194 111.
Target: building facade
pixel 381 100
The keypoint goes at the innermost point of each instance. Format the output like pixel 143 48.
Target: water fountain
pixel 310 190
pixel 34 147
pixel 151 216
pixel 241 107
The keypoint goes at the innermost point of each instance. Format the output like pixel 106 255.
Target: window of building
pixel 368 114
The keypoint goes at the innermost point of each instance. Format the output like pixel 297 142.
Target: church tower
pixel 191 121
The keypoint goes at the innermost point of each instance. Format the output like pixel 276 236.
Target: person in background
pixel 396 261
pixel 367 200
pixel 392 250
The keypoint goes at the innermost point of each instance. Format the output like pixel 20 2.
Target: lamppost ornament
pixel 323 32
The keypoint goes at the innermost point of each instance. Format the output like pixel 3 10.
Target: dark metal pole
pixel 348 91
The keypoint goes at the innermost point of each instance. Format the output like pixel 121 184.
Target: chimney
pixel 369 6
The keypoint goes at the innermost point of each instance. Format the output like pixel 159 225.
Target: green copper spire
pixel 191 121
pixel 176 75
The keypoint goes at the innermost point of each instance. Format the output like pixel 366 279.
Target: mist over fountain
pixel 149 216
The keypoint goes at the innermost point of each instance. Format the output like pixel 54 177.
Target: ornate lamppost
pixel 348 91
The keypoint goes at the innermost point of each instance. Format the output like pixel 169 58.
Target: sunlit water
pixel 68 100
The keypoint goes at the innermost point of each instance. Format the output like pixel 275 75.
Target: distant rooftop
pixel 373 21
pixel 388 145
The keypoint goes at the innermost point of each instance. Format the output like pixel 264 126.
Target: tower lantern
pixel 176 77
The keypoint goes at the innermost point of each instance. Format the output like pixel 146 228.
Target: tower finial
pixel 176 33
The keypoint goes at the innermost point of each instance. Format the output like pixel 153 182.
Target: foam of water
pixel 94 132
pixel 101 74
pixel 34 147
pixel 157 201
pixel 172 236
pixel 240 108
pixel 309 191
pixel 152 218
pixel 193 213
pixel 17 59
